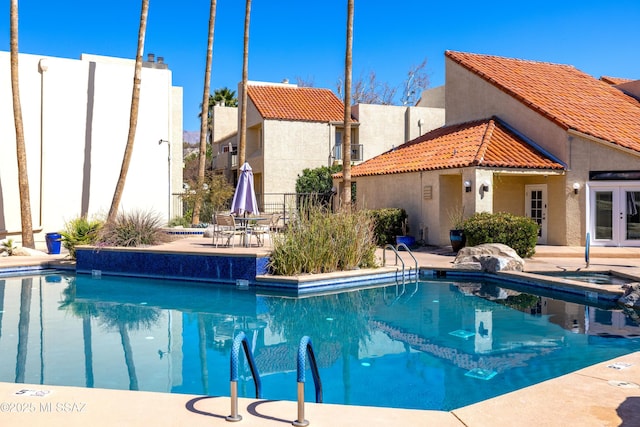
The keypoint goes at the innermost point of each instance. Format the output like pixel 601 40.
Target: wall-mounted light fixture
pixel 467 186
pixel 576 187
pixel 485 187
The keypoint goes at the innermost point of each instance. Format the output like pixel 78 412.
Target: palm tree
pixel 226 96
pixel 204 115
pixel 133 117
pixel 21 152
pixel 346 140
pixel 245 76
pixel 23 329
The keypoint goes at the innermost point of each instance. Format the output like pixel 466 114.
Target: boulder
pixel 28 252
pixel 631 296
pixel 488 257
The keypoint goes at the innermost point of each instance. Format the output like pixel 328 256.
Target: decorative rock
pixel 208 232
pixel 488 257
pixel 631 296
pixel 28 252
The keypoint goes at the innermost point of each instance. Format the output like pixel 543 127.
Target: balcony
pixel 356 152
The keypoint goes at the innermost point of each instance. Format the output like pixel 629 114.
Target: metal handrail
pixel 241 338
pixel 398 257
pixel 402 245
pixel 305 348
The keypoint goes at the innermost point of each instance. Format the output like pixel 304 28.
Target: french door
pixel 536 208
pixel 614 215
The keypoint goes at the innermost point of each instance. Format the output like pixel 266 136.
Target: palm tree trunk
pixel 21 152
pixel 204 115
pixel 245 78
pixel 346 140
pixel 202 347
pixel 23 329
pixel 133 117
pixel 88 353
pixel 128 356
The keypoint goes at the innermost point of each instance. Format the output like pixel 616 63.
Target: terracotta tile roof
pixel 485 143
pixel 296 103
pixel 614 80
pixel 563 94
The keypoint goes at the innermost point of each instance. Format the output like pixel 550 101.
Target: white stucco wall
pixel 76 120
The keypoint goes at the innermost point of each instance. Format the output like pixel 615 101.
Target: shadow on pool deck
pixel 600 395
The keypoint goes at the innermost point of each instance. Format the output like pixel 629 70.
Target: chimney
pixel 160 59
pixel 150 57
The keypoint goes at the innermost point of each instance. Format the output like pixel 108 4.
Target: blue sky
pixel 293 39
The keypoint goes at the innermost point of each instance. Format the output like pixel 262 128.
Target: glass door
pixel 536 208
pixel 615 215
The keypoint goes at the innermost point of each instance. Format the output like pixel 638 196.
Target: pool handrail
pixel 241 339
pixel 306 348
pixel 398 257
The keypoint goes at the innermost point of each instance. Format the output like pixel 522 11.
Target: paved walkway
pixel 600 395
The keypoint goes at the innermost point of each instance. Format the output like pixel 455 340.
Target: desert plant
pixel 518 232
pixel 8 246
pixel 322 242
pixel 80 231
pixel 133 229
pixel 456 218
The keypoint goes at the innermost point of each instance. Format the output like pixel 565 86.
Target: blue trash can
pixel 53 242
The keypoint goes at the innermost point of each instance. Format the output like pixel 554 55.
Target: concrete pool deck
pixel 605 394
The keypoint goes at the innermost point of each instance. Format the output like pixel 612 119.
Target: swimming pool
pixel 433 345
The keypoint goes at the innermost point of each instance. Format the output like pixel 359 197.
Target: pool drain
pixel 623 384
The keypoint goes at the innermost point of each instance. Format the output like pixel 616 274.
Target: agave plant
pixel 8 246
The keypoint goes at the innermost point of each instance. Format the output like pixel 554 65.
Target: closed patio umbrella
pixel 244 199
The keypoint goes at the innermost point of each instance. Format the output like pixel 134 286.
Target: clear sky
pixel 294 39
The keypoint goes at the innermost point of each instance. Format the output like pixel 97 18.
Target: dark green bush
pixel 388 224
pixel 517 232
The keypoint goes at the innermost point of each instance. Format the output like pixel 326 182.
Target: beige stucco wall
pixel 382 127
pixel 290 147
pixel 469 97
pixel 76 120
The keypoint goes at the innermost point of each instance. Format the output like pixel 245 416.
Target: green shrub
pixel 517 232
pixel 134 229
pixel 388 224
pixel 80 231
pixel 322 242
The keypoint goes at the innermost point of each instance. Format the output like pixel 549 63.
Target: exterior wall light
pixel 467 186
pixel 485 186
pixel 576 187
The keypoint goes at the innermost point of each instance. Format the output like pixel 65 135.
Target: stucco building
pixel 530 138
pixel 76 121
pixel 291 128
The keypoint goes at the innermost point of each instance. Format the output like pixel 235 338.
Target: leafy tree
pixel 316 180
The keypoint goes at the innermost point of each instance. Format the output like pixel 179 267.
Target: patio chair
pixel 225 228
pixel 264 227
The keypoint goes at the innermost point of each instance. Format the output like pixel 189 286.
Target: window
pixel 356 149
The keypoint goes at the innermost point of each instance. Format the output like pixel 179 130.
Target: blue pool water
pixel 433 345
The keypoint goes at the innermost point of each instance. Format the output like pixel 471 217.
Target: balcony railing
pixel 356 152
